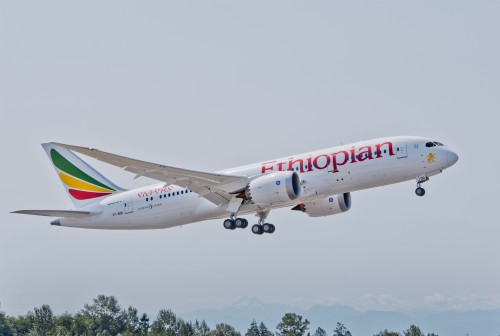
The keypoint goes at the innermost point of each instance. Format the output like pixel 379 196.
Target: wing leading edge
pixel 217 188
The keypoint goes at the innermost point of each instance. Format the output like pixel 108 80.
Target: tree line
pixel 105 317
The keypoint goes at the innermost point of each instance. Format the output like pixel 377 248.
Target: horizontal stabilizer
pixel 57 213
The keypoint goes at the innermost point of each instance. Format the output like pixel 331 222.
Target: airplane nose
pixel 452 158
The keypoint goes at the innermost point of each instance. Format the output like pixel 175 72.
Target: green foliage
pixel 223 329
pixel 165 324
pixel 320 332
pixel 341 330
pixel 5 329
pixel 104 317
pixel 81 325
pixel 388 333
pixel 201 329
pixel 264 331
pixel 22 324
pixel 144 324
pixel 292 325
pixel 253 330
pixel 43 321
pixel 413 330
pixel 63 324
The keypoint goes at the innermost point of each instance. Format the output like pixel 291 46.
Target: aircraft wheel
pixel 241 223
pixel 268 228
pixel 257 229
pixel 420 191
pixel 229 224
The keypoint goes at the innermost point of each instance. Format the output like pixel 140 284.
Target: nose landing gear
pixel 421 179
pixel 419 191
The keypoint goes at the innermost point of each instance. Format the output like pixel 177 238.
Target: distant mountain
pixel 360 323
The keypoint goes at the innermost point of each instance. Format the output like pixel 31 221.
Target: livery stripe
pixel 63 164
pixel 85 195
pixel 72 182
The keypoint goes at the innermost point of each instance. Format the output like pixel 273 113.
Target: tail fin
pixel 83 183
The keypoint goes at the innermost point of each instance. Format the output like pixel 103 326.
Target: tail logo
pixel 80 185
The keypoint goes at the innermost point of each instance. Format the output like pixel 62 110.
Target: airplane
pixel 317 183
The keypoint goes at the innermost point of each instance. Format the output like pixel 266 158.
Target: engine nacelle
pixel 277 187
pixel 327 206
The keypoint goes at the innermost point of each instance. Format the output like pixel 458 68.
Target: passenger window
pixel 177 193
pixel 147 199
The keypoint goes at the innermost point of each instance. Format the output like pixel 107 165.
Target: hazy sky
pixel 213 84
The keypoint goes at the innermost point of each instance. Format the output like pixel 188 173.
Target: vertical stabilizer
pixel 83 183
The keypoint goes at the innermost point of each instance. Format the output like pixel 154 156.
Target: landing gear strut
pixel 421 179
pixel 262 227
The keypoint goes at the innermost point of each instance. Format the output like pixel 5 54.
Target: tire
pixel 420 191
pixel 257 229
pixel 241 223
pixel 273 228
pixel 268 228
pixel 229 224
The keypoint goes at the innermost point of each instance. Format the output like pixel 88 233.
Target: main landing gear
pixel 241 223
pixel 233 223
pixel 262 227
pixel 421 179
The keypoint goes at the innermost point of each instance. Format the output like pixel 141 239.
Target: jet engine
pixel 331 205
pixel 277 187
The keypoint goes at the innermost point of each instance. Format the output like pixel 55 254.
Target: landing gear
pixel 229 224
pixel 420 191
pixel 262 227
pixel 257 229
pixel 421 179
pixel 268 228
pixel 233 223
pixel 241 223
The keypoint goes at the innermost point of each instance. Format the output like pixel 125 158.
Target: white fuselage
pixel 325 172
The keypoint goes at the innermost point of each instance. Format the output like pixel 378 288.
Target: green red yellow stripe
pixel 85 195
pixel 63 164
pixel 80 185
pixel 75 183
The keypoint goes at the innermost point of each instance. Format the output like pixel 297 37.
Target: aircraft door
pixel 401 150
pixel 128 206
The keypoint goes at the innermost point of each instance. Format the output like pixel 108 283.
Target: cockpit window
pixel 433 144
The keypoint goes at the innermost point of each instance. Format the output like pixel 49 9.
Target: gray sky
pixel 214 84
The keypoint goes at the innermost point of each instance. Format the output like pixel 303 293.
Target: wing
pixel 217 188
pixel 57 213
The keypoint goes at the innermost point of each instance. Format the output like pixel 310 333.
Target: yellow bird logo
pixel 431 158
